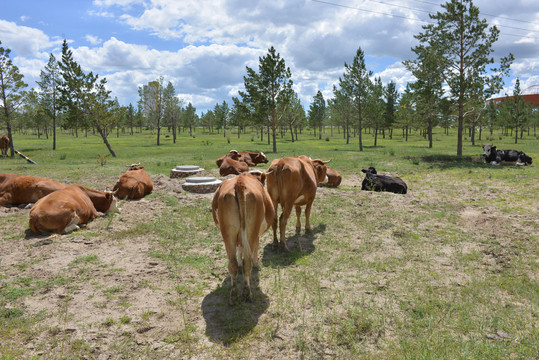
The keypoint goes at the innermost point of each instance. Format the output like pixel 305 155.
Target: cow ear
pixel 363 170
pixel 263 178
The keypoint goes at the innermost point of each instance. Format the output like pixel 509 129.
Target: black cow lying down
pixel 375 182
pixel 495 156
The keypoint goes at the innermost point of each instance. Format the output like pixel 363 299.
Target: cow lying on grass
pixel 242 210
pixel 375 182
pixel 334 178
pixel 495 156
pixel 248 157
pixel 134 183
pixel 21 189
pixel 64 210
pixel 231 164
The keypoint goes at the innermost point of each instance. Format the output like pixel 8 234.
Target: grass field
pixel 447 271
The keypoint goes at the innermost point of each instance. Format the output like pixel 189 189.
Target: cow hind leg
pixel 247 267
pixel 307 216
pixel 73 225
pixel 298 221
pixel 283 220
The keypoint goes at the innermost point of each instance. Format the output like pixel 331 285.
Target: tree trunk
pixel 105 140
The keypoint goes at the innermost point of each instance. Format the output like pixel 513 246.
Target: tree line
pixel 453 69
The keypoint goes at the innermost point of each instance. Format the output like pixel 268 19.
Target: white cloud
pixel 23 40
pixel 94 40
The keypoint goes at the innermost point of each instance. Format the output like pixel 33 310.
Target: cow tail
pixel 239 189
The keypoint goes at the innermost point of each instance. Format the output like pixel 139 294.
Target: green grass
pixel 436 273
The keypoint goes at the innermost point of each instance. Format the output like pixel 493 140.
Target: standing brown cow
pixel 4 145
pixel 292 181
pixel 64 210
pixel 134 183
pixel 242 210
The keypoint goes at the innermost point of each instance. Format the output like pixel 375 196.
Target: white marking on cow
pixel 239 256
pixel 326 179
pixel 299 199
pixel 73 225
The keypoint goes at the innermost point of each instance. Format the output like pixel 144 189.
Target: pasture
pixel 449 270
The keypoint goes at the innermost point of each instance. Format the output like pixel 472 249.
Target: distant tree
pixel 462 44
pixel 152 98
pixel 518 109
pixel 11 85
pixel 355 85
pixel 406 111
pixel 263 88
pixel 375 106
pixel 317 113
pixel 190 118
pixel 222 113
pixel 392 97
pixel 341 110
pixel 292 113
pixel 50 78
pixel 427 88
pixel 172 109
pixel 82 95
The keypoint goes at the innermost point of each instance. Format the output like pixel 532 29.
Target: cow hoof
pixel 247 296
pixel 283 247
pixel 233 300
pixel 308 230
pixel 298 230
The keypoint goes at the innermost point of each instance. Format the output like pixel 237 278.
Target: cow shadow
pixel 226 323
pixel 299 245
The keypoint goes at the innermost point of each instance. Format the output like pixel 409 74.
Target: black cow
pixel 375 182
pixel 495 156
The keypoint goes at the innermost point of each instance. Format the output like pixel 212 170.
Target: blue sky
pixel 203 46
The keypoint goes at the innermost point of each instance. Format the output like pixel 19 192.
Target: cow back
pixel 133 184
pixel 21 189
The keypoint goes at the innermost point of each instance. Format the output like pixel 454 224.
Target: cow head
pixel 525 159
pixel 320 169
pixel 234 154
pixel 135 167
pixel 261 158
pixel 371 170
pixel 259 175
pixel 488 149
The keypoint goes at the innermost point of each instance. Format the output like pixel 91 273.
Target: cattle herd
pixel 244 207
pixel 57 208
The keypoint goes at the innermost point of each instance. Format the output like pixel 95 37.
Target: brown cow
pixel 4 145
pixel 253 158
pixel 334 178
pixel 134 183
pixel 250 158
pixel 292 181
pixel 21 189
pixel 232 165
pixel 242 210
pixel 64 210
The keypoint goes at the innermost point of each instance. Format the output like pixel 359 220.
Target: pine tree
pixel 462 43
pixel 265 87
pixel 355 85
pixel 83 97
pixel 50 79
pixel 11 85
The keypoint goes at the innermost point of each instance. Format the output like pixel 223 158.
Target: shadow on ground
pixel 225 323
pixel 298 245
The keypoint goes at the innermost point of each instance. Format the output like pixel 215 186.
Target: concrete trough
pixel 201 184
pixel 182 171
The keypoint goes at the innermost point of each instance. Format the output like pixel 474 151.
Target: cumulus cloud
pixel 23 40
pixel 94 40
